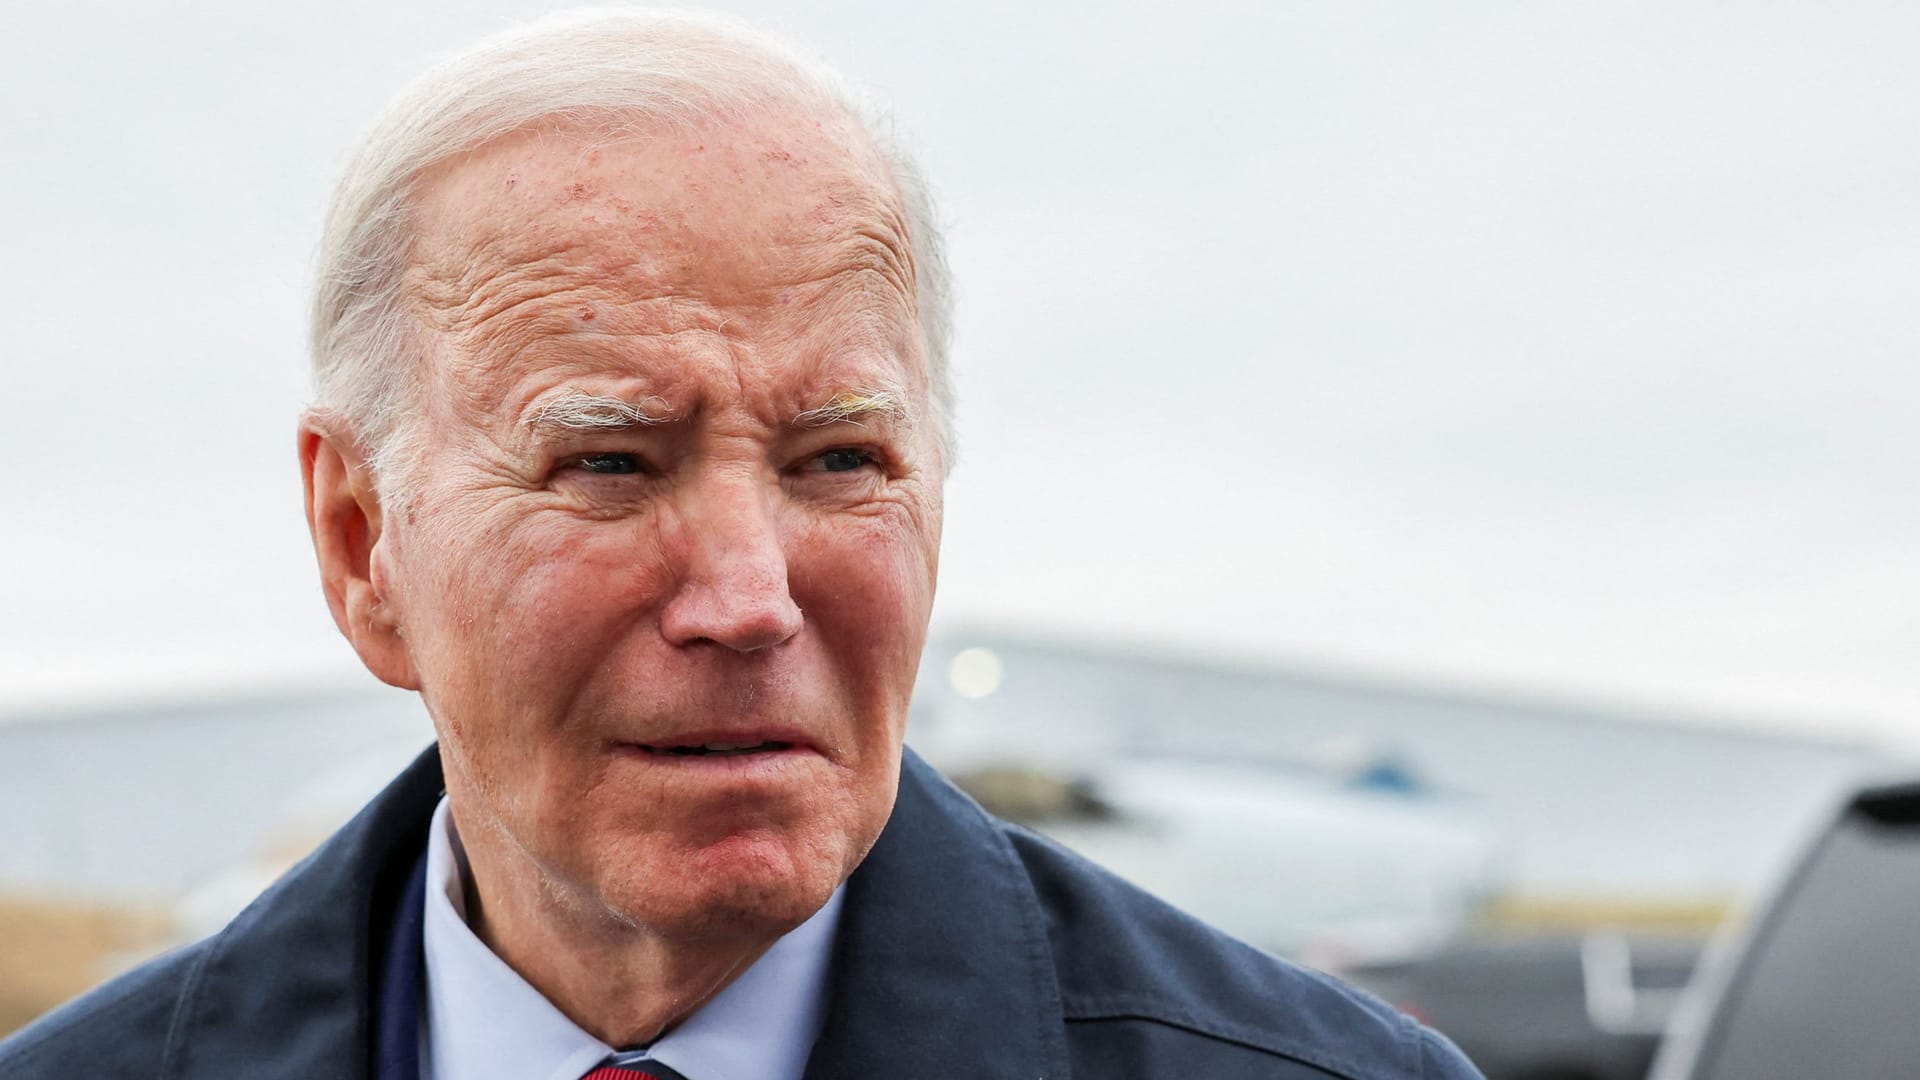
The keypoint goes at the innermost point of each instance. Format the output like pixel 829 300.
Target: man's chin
pixel 727 890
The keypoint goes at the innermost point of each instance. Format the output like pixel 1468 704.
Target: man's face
pixel 594 598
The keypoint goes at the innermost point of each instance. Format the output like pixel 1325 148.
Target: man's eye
pixel 609 464
pixel 843 459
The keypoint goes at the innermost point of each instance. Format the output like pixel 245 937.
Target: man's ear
pixel 344 515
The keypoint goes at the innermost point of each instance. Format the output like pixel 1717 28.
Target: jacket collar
pixel 286 990
pixel 942 965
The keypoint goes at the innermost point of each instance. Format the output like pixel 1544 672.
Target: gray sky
pixel 1566 348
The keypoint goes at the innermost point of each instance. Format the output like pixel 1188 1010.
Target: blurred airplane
pixel 1329 866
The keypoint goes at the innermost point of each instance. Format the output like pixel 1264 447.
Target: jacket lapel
pixel 943 967
pixel 283 992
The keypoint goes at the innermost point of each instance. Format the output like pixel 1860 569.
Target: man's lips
pixel 719 749
pixel 720 744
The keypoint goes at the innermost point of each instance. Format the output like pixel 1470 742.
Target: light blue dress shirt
pixel 483 1021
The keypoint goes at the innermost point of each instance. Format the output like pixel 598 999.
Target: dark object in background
pixel 1827 981
pixel 1035 797
pixel 1544 1006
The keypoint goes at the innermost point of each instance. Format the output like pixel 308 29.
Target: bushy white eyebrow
pixel 849 405
pixel 575 411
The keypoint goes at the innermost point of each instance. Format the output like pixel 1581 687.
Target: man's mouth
pixel 717 749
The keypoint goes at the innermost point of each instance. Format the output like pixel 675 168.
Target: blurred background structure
pixel 1537 878
pixel 1435 482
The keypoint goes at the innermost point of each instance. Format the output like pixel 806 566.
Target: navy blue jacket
pixel 968 948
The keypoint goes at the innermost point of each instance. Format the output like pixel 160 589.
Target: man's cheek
pixel 885 583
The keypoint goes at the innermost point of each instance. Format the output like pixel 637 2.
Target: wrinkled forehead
pixel 726 212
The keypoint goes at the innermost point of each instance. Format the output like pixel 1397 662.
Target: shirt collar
pixel 483 1019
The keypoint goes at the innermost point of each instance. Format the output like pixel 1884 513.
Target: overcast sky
pixel 1563 348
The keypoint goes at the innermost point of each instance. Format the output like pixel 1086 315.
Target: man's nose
pixel 733 582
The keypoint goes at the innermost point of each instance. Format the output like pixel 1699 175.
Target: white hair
pixel 616 67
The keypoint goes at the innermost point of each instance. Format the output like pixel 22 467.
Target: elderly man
pixel 633 416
